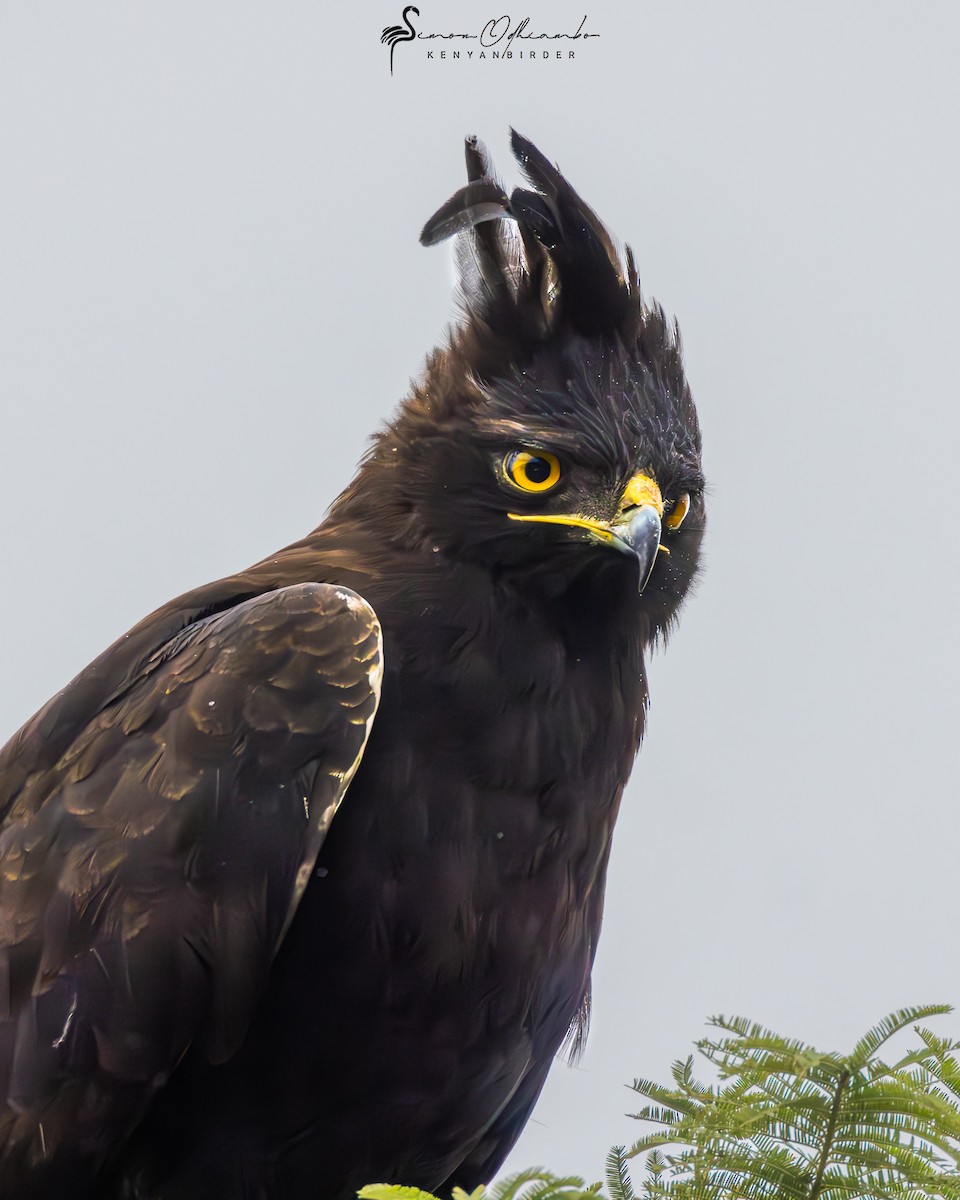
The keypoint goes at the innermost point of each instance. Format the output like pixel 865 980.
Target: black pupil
pixel 537 470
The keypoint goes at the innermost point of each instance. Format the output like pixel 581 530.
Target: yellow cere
pixel 532 471
pixel 678 512
pixel 642 490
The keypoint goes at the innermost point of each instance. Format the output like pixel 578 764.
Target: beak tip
pixel 641 535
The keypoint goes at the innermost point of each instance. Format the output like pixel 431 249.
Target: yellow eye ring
pixel 532 471
pixel 677 514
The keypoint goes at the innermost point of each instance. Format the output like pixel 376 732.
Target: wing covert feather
pixel 148 875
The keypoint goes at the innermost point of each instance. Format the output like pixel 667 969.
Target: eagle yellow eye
pixel 679 511
pixel 532 472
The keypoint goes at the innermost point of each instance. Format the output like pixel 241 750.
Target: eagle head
pixel 553 440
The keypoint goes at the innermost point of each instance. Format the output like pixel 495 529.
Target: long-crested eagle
pixel 301 880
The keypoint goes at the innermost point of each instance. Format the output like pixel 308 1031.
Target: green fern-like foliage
pixel 787 1121
pixel 783 1122
pixel 534 1184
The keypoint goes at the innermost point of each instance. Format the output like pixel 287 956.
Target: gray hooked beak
pixel 639 534
pixel 636 529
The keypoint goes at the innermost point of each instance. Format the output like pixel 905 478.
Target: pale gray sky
pixel 211 292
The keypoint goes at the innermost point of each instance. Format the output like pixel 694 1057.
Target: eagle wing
pixel 149 870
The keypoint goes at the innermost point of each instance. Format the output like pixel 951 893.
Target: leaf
pixel 871 1042
pixel 393 1191
pixel 619 1183
pixel 786 1121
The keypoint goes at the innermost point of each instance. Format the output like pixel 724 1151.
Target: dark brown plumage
pixel 202 991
